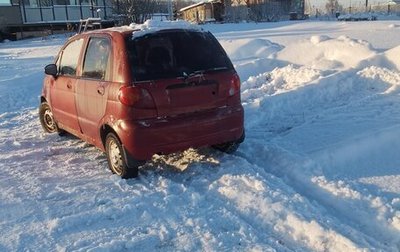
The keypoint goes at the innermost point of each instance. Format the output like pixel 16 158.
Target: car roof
pixel 111 31
pixel 146 28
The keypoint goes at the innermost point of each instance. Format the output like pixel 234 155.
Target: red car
pixel 134 94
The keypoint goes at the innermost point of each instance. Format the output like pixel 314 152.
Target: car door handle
pixel 100 90
pixel 69 85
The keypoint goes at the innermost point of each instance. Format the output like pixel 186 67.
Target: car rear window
pixel 178 53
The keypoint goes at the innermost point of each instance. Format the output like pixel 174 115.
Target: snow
pixel 152 25
pixel 318 171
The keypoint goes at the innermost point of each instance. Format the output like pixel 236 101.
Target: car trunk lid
pixel 194 93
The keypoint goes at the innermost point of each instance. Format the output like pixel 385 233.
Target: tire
pixel 47 120
pixel 117 160
pixel 230 147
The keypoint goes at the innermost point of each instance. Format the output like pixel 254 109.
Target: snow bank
pixel 278 81
pixel 388 59
pixel 324 53
pixel 250 49
pixel 253 56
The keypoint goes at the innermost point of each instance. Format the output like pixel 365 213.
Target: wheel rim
pixel 115 156
pixel 49 120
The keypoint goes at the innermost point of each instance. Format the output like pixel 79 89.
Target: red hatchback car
pixel 135 93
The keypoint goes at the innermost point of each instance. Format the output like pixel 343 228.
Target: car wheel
pixel 230 147
pixel 46 118
pixel 116 158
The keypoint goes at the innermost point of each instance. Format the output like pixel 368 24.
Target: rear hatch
pixel 184 71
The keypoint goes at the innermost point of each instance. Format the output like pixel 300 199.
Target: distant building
pixel 9 13
pixel 239 10
pixel 25 18
pixel 203 12
pixel 264 10
pixel 17 12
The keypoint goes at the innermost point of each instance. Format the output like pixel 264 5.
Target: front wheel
pixel 117 160
pixel 46 118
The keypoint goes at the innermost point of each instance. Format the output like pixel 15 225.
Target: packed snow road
pixel 319 170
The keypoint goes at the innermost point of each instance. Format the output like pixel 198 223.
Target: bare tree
pixel 138 11
pixel 179 4
pixel 333 6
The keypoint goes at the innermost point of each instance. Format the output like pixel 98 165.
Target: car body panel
pixel 62 96
pixel 143 138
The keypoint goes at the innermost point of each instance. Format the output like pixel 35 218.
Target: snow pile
pixel 255 48
pixel 389 59
pixel 252 56
pixel 278 81
pixel 322 52
pixel 376 76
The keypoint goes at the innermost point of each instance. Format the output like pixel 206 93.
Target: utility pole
pixel 350 7
pixel 366 5
pixel 170 11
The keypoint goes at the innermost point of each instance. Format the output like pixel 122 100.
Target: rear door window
pixel 96 64
pixel 172 54
pixel 68 62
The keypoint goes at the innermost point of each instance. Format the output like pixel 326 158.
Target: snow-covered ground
pixel 319 170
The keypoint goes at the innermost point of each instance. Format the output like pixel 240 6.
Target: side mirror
pixel 51 69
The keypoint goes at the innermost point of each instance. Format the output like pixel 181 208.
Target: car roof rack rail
pixel 89 24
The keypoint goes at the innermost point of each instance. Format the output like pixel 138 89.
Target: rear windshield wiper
pixel 201 72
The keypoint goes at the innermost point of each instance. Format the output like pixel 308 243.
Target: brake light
pixel 136 97
pixel 234 87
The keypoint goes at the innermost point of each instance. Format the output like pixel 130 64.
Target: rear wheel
pixel 116 158
pixel 46 118
pixel 230 147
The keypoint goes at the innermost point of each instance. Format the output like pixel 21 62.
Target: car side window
pixel 68 62
pixel 97 59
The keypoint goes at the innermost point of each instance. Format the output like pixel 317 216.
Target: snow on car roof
pixel 156 25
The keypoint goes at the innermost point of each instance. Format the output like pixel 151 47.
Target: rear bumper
pixel 144 138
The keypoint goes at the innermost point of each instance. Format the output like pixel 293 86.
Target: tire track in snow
pixel 357 223
pixel 301 173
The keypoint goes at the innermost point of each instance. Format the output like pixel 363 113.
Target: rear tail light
pixel 234 87
pixel 136 97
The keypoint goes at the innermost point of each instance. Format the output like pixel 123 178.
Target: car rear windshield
pixel 178 53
